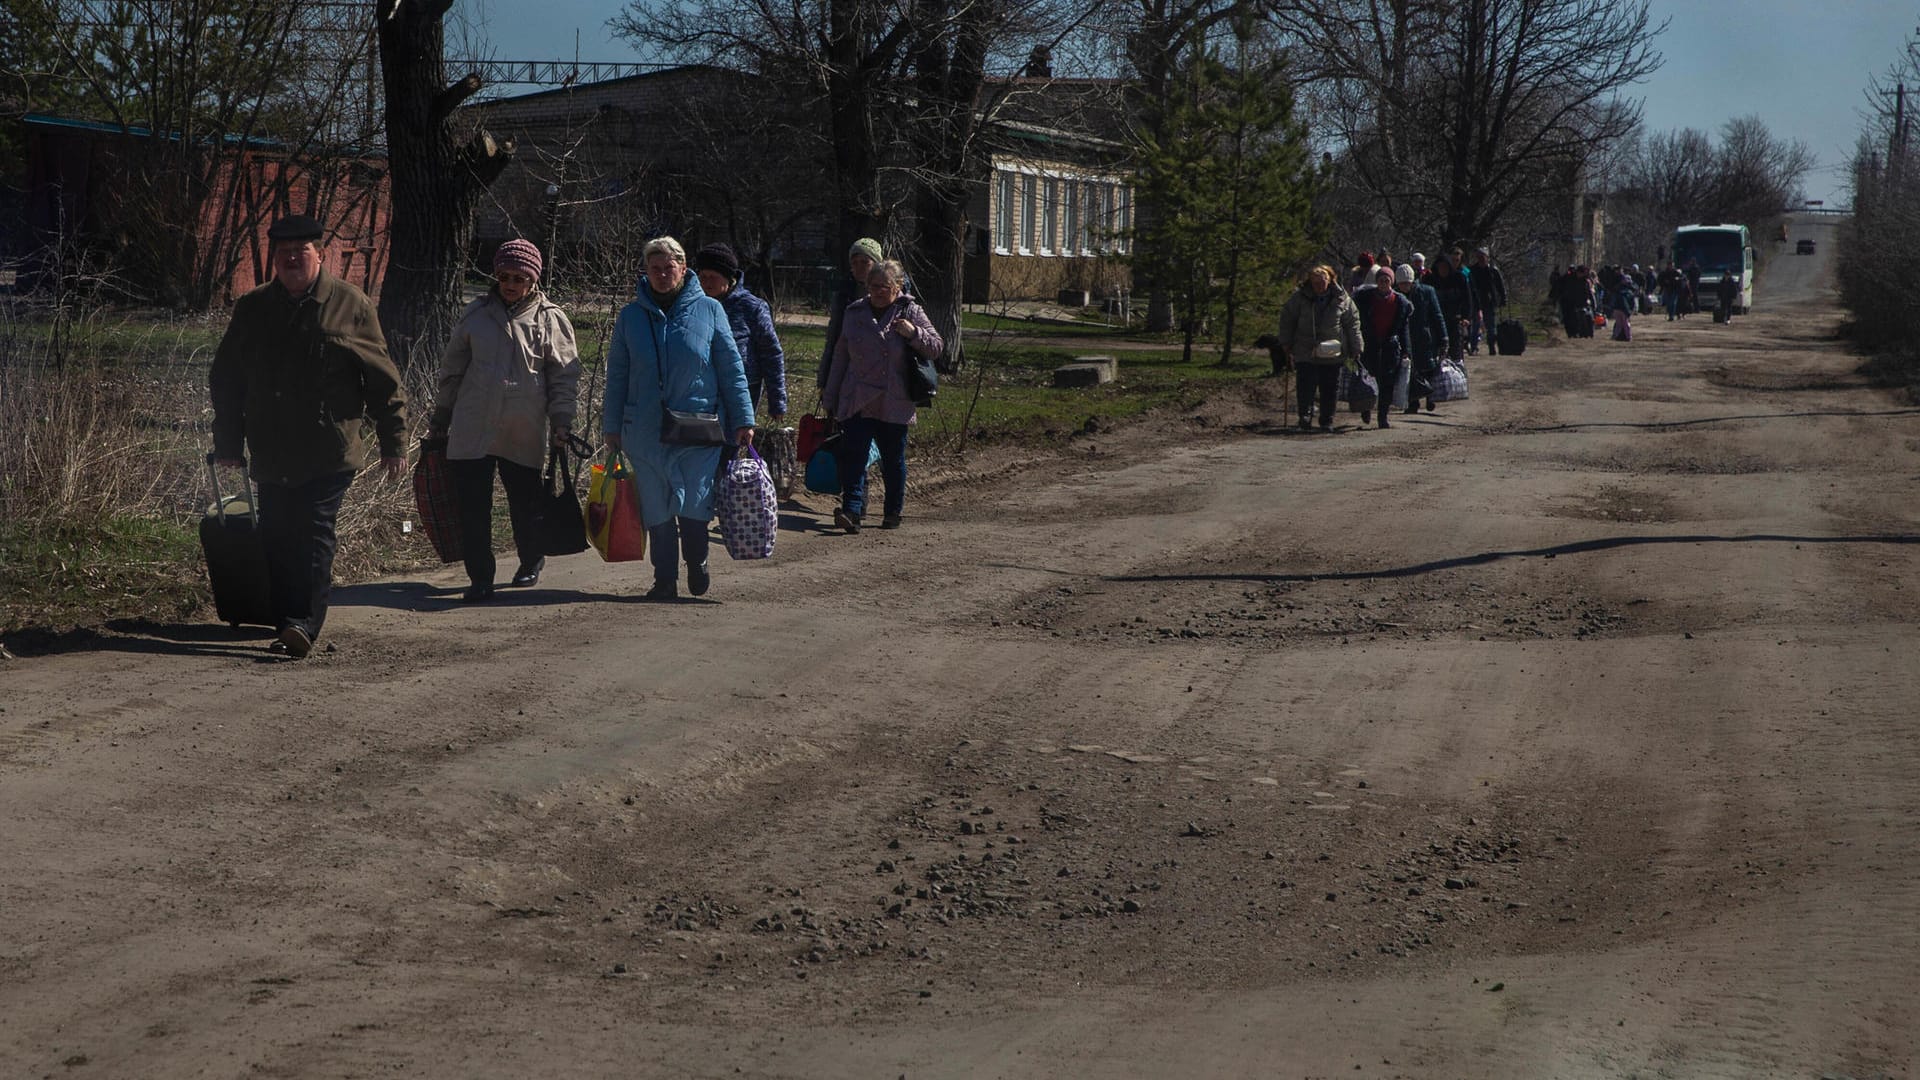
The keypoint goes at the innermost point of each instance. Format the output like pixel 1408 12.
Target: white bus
pixel 1719 250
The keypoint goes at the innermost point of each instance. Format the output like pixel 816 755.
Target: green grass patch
pixel 1080 327
pixel 111 338
pixel 70 573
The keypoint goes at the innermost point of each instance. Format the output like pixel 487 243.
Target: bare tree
pixel 1673 178
pixel 845 55
pixel 438 172
pixel 1878 280
pixel 199 90
pixel 1454 111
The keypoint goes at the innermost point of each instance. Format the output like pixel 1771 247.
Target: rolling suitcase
pixel 1511 336
pixel 236 555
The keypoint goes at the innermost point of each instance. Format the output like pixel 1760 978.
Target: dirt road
pixel 1566 732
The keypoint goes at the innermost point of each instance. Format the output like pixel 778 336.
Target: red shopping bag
pixel 812 432
pixel 433 497
pixel 613 511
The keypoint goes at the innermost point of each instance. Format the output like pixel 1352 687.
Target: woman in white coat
pixel 506 390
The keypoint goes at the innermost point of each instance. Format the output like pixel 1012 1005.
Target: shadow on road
pixel 1578 547
pixel 145 637
pixel 790 522
pixel 1675 424
pixel 420 596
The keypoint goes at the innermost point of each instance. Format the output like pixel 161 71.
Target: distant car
pixel 1804 247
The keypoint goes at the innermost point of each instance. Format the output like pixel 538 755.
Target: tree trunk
pixel 949 72
pixel 435 181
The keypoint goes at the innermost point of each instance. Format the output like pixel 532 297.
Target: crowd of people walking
pixel 695 357
pixel 303 365
pixel 1591 298
pixel 1400 324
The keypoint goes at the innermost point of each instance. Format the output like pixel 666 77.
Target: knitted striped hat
pixel 518 255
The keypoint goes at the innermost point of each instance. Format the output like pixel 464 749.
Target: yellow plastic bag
pixel 613 511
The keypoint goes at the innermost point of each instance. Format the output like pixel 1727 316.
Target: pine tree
pixel 1231 185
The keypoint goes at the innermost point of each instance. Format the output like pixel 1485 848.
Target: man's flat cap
pixel 296 227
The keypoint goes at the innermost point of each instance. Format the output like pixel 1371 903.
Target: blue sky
pixel 1801 64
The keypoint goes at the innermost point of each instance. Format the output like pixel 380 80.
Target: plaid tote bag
pixel 433 495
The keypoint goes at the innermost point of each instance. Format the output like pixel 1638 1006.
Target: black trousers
pixel 297 527
pixel 1323 378
pixel 1387 377
pixel 665 553
pixel 1490 320
pixel 473 491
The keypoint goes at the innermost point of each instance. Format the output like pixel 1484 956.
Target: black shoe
pixel 698 579
pixel 1326 428
pixel 849 522
pixel 664 590
pixel 1383 421
pixel 296 642
pixel 890 521
pixel 528 574
pixel 1306 423
pixel 476 594
pixel 1411 410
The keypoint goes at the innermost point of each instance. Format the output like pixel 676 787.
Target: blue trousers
pixel 859 434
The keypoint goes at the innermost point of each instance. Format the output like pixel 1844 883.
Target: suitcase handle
pixel 220 500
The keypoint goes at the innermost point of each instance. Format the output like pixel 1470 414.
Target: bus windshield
pixel 1714 251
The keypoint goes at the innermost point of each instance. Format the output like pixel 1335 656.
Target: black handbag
pixel 691 428
pixel 923 376
pixel 923 382
pixel 563 529
pixel 683 428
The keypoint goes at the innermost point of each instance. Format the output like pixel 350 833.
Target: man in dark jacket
pixel 752 324
pixel 1490 293
pixel 303 365
pixel 1456 301
pixel 1673 289
pixel 1727 292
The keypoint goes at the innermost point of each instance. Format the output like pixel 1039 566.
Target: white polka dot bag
pixel 748 508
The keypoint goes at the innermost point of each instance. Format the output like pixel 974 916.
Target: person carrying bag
pixel 676 393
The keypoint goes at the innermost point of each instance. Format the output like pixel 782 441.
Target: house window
pixel 1071 233
pixel 1003 214
pixel 1123 217
pixel 1029 216
pixel 1050 217
pixel 1096 218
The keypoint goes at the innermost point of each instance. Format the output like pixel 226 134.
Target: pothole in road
pixel 1617 502
pixel 971 871
pixel 1217 603
pixel 1695 459
pixel 1767 381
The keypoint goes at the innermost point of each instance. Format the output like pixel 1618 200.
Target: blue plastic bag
pixel 823 468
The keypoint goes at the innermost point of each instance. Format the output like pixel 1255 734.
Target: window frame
pixel 1003 210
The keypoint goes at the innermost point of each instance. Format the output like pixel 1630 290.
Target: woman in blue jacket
pixel 753 334
pixel 673 349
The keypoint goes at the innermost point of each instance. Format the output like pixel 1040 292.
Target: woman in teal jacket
pixel 673 347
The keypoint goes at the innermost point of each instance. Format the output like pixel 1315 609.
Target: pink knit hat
pixel 518 255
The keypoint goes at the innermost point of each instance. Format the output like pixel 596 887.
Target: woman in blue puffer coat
pixel 673 349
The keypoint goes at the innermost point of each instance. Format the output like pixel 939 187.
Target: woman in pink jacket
pixel 867 390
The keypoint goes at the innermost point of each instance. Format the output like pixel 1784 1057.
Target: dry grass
pixel 104 431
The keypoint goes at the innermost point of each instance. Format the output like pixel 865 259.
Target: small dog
pixel 1281 365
